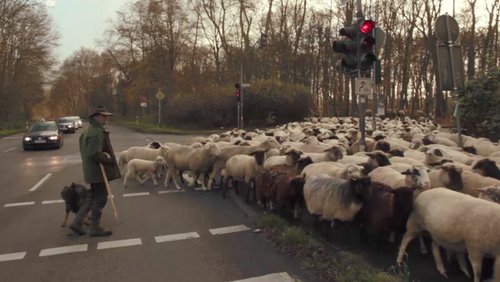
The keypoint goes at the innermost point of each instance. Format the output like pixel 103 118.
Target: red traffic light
pixel 367 26
pixel 238 92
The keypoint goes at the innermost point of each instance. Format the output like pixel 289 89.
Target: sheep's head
pixel 436 156
pixel 382 145
pixel 154 145
pixel 490 193
pixel 212 149
pixel 396 153
pixel 260 156
pixel 470 149
pixel 417 177
pixel 335 153
pixel 451 177
pixel 486 167
pixel 292 155
pixel 303 162
pixel 415 144
pixel 270 143
pixel 429 139
pixel 361 186
pixel 354 171
pixel 378 158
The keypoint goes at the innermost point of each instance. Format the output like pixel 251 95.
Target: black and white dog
pixel 74 197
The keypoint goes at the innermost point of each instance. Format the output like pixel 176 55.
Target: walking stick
pixel 110 195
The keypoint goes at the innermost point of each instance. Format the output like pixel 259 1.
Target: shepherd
pixel 96 153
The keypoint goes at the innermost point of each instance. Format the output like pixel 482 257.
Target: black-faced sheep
pixel 281 185
pixel 486 167
pixel 243 168
pixel 333 198
pixel 333 169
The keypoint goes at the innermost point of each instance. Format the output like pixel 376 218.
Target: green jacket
pixel 94 142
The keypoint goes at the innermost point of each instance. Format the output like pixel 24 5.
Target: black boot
pixel 95 229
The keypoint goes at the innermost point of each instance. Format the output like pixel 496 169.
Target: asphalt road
pixel 162 235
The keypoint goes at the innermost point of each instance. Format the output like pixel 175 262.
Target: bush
pixel 264 103
pixel 479 104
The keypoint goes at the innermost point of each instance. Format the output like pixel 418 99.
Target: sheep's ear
pixel 438 153
pixel 406 172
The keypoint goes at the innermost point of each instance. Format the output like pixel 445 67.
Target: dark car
pixel 66 124
pixel 43 134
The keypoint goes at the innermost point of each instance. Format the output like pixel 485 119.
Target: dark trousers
pixel 94 202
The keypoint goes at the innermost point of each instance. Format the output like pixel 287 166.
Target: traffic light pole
pixel 240 105
pixel 361 98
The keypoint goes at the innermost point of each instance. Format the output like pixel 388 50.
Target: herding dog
pixel 74 196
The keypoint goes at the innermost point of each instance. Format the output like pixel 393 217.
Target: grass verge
pixel 319 258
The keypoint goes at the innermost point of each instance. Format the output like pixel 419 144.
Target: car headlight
pixel 27 139
pixel 70 125
pixel 53 137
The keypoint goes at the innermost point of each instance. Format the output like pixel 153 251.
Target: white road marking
pixel 228 229
pixel 176 237
pixel 274 277
pixel 40 182
pixel 48 202
pixel 63 250
pixel 136 194
pixel 11 137
pixel 8 150
pixel 18 204
pixel 170 191
pixel 12 256
pixel 119 243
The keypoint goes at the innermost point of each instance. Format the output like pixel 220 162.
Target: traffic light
pixel 263 40
pixel 347 47
pixel 366 44
pixel 238 91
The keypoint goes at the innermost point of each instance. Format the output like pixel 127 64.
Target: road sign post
pixel 450 64
pixel 160 96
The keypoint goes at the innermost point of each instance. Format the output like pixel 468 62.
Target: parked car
pixel 78 121
pixel 66 124
pixel 43 134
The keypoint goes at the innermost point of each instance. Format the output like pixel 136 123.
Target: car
pixel 78 121
pixel 43 134
pixel 66 124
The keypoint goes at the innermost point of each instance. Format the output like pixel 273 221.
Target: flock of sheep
pixel 412 178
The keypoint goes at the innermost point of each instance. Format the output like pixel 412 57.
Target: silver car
pixel 66 124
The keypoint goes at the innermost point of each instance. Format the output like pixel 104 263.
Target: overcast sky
pixel 81 22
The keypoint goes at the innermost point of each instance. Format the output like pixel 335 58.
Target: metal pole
pixel 454 81
pixel 361 98
pixel 159 112
pixel 241 93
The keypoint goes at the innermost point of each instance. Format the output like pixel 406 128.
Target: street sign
pixel 379 39
pixel 446 28
pixel 363 86
pixel 144 104
pixel 245 85
pixel 159 95
pixel 448 64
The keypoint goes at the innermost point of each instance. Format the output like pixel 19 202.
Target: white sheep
pixel 229 151
pixel 332 169
pixel 331 154
pixel 137 168
pixel 201 161
pixel 179 159
pixel 142 153
pixel 289 159
pixel 457 222
pixel 243 168
pixel 414 177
